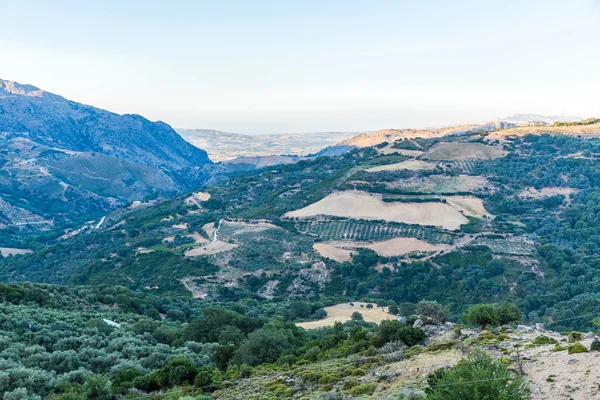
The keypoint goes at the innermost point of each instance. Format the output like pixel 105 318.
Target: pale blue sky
pixel 297 66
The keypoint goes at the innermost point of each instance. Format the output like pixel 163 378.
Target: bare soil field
pixel 412 165
pixel 533 193
pixel 404 152
pixel 8 251
pixel 182 226
pixel 361 205
pixel 333 252
pixel 468 205
pixel 197 197
pixel 211 248
pixel 343 313
pixel 342 250
pixel 464 151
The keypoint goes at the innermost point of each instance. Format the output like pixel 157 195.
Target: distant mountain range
pixel 61 160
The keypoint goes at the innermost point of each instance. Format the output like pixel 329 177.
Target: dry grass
pixel 343 313
pixel 211 248
pixel 341 251
pixel 464 151
pixel 333 252
pixel 360 205
pixel 468 205
pixel 584 130
pixel 413 165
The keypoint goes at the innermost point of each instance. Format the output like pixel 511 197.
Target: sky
pixel 305 66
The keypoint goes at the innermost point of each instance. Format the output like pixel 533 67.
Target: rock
pixel 418 323
pixel 524 328
pixel 539 327
pixel 589 335
pixel 401 319
pixel 573 361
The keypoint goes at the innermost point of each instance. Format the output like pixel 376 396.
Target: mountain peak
pixel 16 88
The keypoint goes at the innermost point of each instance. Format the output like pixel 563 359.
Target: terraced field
pixel 464 151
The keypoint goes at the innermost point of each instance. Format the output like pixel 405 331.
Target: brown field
pixel 332 252
pixel 546 192
pixel 343 313
pixel 211 248
pixel 360 205
pixel 464 151
pixel 340 251
pixel 404 152
pixel 468 205
pixel 413 165
pixel 197 197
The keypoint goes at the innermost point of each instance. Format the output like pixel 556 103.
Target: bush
pixel 477 377
pixel 575 337
pixel 577 348
pixel 509 313
pixel 365 388
pixel 482 315
pixel 595 345
pixel 542 340
pixel 432 310
pixel 413 351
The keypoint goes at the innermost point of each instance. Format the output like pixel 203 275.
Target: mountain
pixel 56 122
pixel 548 119
pixel 224 146
pixel 62 162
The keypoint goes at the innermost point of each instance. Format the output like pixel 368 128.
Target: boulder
pixel 418 323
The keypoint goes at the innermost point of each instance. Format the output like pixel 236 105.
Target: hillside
pixel 224 146
pixel 458 221
pixel 63 163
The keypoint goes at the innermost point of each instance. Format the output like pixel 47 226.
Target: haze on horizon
pixel 267 67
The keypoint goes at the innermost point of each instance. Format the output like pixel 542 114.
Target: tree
pixel 356 316
pixel 222 356
pixel 98 387
pixel 393 309
pixel 477 377
pixel 509 313
pixel 262 346
pixel 431 310
pixel 481 315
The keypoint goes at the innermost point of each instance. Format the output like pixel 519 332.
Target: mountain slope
pixel 63 163
pixel 54 121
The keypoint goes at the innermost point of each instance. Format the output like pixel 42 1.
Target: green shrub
pixel 575 337
pixel 439 346
pixel 595 345
pixel 413 351
pixel 477 377
pixel 482 315
pixel 362 389
pixel 558 347
pixel 577 348
pixel 542 340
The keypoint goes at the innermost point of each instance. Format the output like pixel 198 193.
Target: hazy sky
pixel 296 66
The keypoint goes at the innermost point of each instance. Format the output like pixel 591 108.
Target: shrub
pixel 575 337
pixel 542 340
pixel 413 351
pixel 509 313
pixel 482 315
pixel 365 388
pixel 477 377
pixel 577 348
pixel 595 345
pixel 432 310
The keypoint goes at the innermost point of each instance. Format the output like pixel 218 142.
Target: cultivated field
pixel 577 130
pixel 464 151
pixel 352 229
pixel 333 252
pixel 360 205
pixel 343 313
pixel 388 248
pixel 468 205
pixel 197 197
pixel 413 165
pixel 442 184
